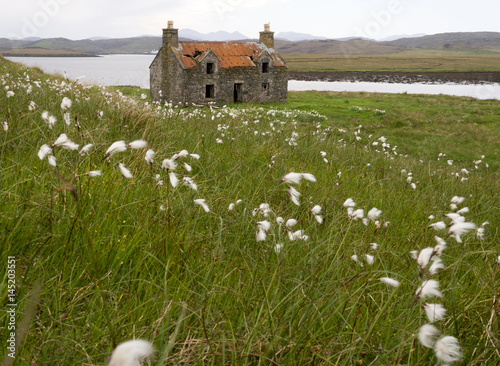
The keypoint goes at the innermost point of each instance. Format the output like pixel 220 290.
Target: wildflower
pixel 389 281
pixel 85 149
pixel 150 155
pixel 441 245
pixel 187 167
pixel 94 173
pixel 448 349
pixel 374 246
pixel 369 259
pixel 169 164
pixel 131 353
pixel 115 148
pixel 201 202
pixel 498 259
pixel 414 254
pixel 66 103
pixel 437 226
pixel 65 142
pixel 277 248
pixel 295 178
pixel 10 93
pixel 424 257
pixel 32 106
pixel 429 288
pixel 67 118
pixel 463 211
pixel 294 195
pixel 173 179
pixel 434 312
pixel 231 206
pixel 413 185
pixel 44 151
pixel 280 220
pixel 455 218
pixel 427 335
pixel 349 203
pixel 374 214
pixel 137 144
pixel 125 172
pixel 5 126
pixel 291 223
pixel 459 229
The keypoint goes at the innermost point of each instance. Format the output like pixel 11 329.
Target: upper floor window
pixel 210 67
pixel 265 67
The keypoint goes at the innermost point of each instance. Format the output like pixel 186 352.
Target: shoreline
pixel 401 77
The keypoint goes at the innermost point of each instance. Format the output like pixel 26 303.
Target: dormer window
pixel 210 68
pixel 265 67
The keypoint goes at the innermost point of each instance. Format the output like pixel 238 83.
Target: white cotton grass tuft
pixel 355 258
pixel 44 151
pixel 262 228
pixel 369 259
pixel 290 223
pixel 436 265
pixel 427 335
pixel 277 248
pixel 64 142
pixel 294 195
pixel 295 178
pixel 169 164
pixel 150 156
pixel 461 228
pixel 137 144
pixel 349 203
pixel 94 173
pixel 187 167
pixel 188 181
pixel 201 202
pixel 448 350
pixel 174 181
pixel 374 214
pixel 355 214
pixel 52 160
pixel 316 210
pixel 5 126
pixel 297 235
pixel 434 312
pixel 438 226
pixel 463 211
pixel 131 353
pixel 66 103
pixel 389 281
pixel 424 257
pixel 116 147
pixel 457 200
pixel 85 149
pixel 125 172
pixel 429 288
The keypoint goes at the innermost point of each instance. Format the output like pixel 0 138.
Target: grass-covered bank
pixel 108 258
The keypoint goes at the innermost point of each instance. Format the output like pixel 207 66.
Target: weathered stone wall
pixel 155 78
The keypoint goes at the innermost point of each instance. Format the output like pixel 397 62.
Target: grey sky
pixel 78 19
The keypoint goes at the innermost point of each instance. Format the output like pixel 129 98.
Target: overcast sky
pixel 79 19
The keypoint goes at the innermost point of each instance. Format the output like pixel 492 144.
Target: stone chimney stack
pixel 267 37
pixel 170 36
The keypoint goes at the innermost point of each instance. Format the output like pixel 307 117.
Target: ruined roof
pixel 230 54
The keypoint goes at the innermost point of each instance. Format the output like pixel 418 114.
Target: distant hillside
pixel 333 47
pixel 213 36
pixel 145 44
pixel 451 40
pixel 297 37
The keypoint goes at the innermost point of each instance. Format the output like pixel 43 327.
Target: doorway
pixel 237 94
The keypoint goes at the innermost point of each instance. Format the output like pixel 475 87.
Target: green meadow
pixel 110 246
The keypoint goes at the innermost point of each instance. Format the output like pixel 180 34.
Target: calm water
pixel 134 70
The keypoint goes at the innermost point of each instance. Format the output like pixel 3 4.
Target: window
pixel 210 68
pixel 265 88
pixel 209 91
pixel 265 67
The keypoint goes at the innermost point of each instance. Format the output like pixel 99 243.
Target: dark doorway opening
pixel 209 92
pixel 237 92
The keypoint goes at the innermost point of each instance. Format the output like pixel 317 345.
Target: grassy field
pixel 131 253
pixel 406 61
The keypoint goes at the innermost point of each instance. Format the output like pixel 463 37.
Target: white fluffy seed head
pixel 448 349
pixel 434 312
pixel 131 353
pixel 429 288
pixel 427 335
pixel 125 172
pixel 389 281
pixel 138 144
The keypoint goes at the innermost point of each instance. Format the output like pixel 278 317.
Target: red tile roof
pixel 230 54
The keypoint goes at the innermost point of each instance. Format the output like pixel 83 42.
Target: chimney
pixel 267 37
pixel 170 36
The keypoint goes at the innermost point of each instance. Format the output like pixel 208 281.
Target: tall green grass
pixel 107 259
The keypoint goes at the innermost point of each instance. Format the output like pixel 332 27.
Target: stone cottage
pixel 220 72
